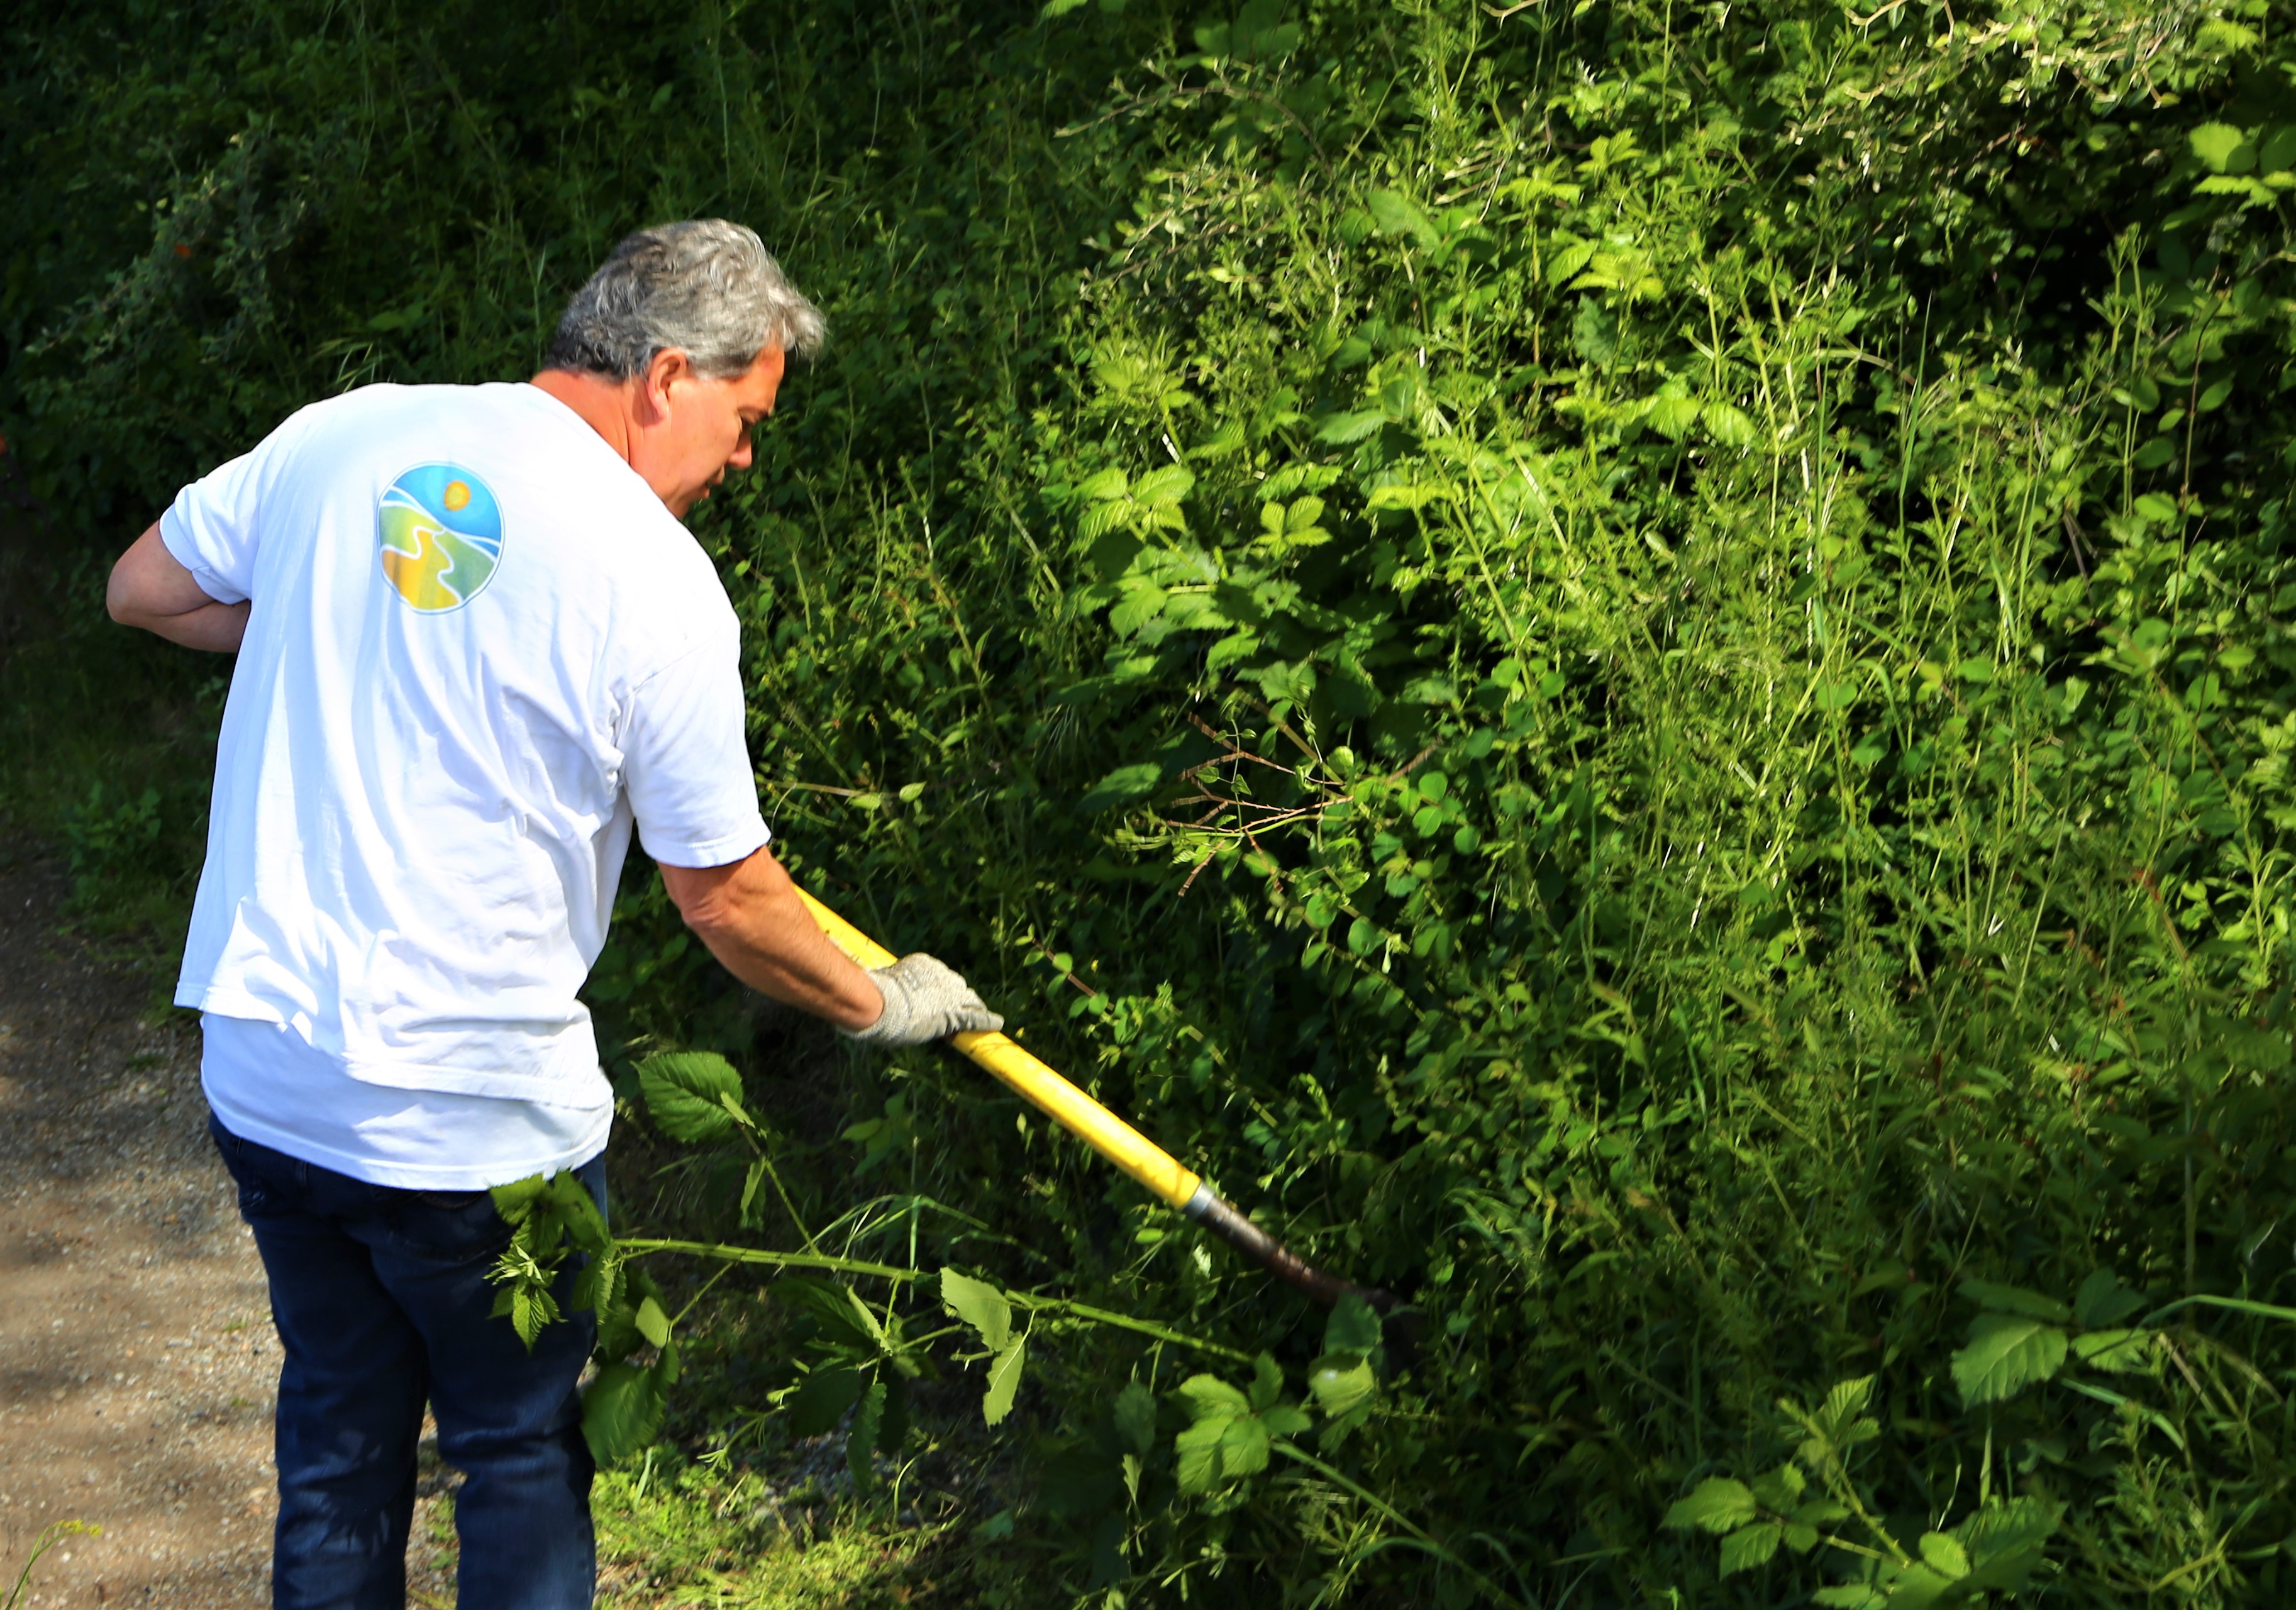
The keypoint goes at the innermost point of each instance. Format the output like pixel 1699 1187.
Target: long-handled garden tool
pixel 1113 1139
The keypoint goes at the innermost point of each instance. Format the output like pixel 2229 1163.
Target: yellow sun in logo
pixel 458 496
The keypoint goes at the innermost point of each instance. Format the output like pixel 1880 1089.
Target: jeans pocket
pixel 452 1225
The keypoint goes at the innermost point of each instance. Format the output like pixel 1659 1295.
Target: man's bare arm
pixel 151 588
pixel 751 919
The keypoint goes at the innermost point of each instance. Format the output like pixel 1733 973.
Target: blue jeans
pixel 381 1302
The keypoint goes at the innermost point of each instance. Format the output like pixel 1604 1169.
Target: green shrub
pixel 1622 663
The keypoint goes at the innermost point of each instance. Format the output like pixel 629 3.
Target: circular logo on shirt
pixel 441 532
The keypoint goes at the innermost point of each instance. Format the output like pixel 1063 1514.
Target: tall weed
pixel 1623 662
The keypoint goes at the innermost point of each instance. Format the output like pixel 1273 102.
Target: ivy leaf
pixel 2006 1353
pixel 684 1092
pixel 1717 1503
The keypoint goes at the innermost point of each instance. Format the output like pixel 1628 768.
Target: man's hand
pixel 151 588
pixel 925 1000
pixel 751 919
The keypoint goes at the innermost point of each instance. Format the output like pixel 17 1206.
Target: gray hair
pixel 706 287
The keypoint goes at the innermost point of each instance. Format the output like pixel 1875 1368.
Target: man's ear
pixel 669 366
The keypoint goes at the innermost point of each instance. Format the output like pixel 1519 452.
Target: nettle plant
pixel 858 1357
pixel 1821 1498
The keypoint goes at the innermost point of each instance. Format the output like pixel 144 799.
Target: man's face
pixel 693 428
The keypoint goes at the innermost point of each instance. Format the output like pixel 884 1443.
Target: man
pixel 475 646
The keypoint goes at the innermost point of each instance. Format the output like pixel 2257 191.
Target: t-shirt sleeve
pixel 685 760
pixel 214 526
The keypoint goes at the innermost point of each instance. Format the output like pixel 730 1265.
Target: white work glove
pixel 925 1000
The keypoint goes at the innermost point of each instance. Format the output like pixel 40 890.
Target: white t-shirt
pixel 270 1087
pixel 480 647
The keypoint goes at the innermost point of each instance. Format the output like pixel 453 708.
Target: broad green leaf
pixel 1197 1451
pixel 1945 1556
pixel 2103 1300
pixel 1399 215
pixel 980 1305
pixel 1918 1589
pixel 1267 1384
pixel 1401 494
pixel 2004 1542
pixel 1135 1418
pixel 1353 1328
pixel 1123 786
pixel 1342 429
pixel 868 1415
pixel 1209 1397
pixel 516 1200
pixel 1244 1448
pixel 2113 1349
pixel 843 1316
pixel 1781 1489
pixel 1838 1417
pixel 621 1412
pixel 822 1399
pixel 1850 1596
pixel 1003 1380
pixel 1672 416
pixel 1566 263
pixel 1110 484
pixel 893 1425
pixel 2014 1299
pixel 652 1323
pixel 683 1093
pixel 1749 1546
pixel 1221 1447
pixel 2218 145
pixel 2006 1353
pixel 1160 489
pixel 1287 1420
pixel 1728 424
pixel 1717 1503
pixel 1142 603
pixel 1341 1382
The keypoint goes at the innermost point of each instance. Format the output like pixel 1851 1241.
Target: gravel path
pixel 137 1363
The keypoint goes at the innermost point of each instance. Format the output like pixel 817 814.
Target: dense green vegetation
pixel 1622 661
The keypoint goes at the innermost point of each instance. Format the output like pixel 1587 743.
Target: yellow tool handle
pixel 1066 1106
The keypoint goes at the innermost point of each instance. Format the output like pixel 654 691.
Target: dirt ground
pixel 137 1363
